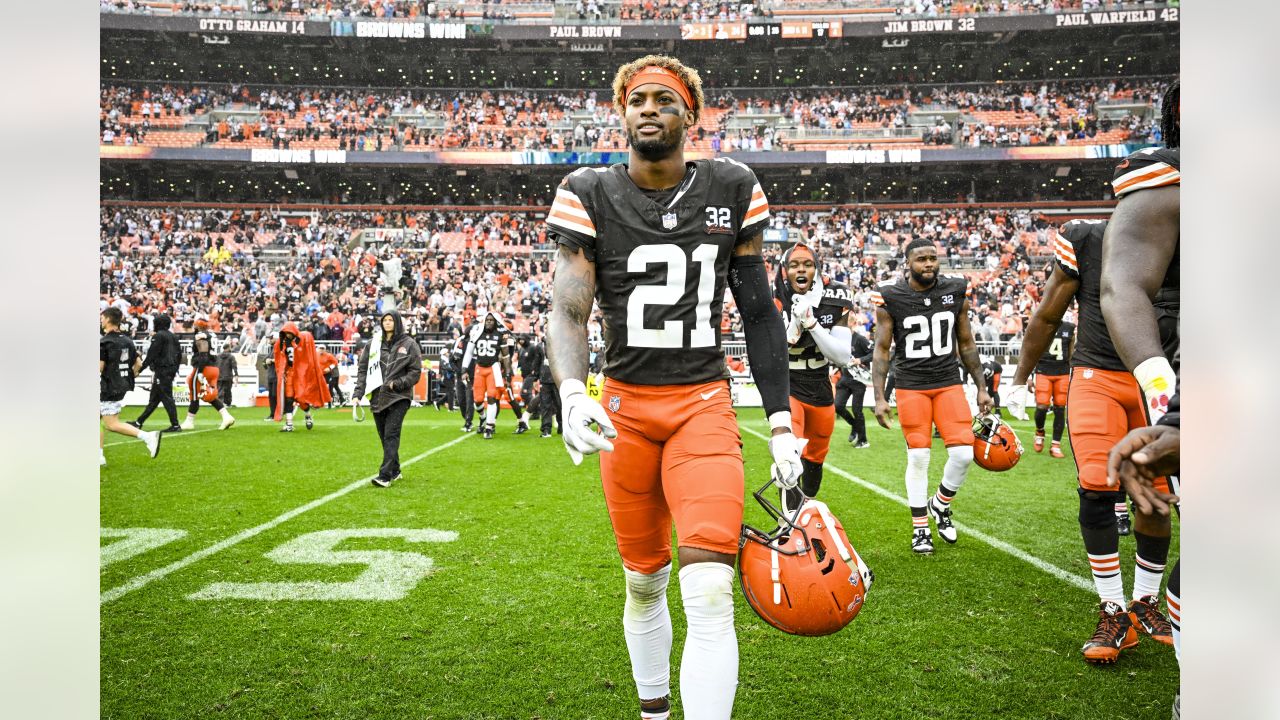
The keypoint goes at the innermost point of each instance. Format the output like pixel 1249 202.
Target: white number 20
pixel 929 336
pixel 671 334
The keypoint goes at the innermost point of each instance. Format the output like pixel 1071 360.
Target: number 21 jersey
pixel 661 262
pixel 924 330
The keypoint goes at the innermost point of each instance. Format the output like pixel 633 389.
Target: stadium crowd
pixel 237 268
pixel 345 119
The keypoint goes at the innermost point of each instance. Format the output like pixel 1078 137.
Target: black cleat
pixel 488 432
pixel 546 434
pixel 522 428
pixel 922 541
pixel 288 427
pixel 310 423
pixel 134 423
pixel 466 428
pixel 1124 525
pixel 172 429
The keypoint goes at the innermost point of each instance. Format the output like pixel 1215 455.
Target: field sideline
pixel 249 573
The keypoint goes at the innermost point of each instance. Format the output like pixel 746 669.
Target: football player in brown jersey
pixel 817 314
pixel 655 242
pixel 1141 277
pixel 924 318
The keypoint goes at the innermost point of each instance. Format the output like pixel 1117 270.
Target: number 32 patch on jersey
pixel 719 221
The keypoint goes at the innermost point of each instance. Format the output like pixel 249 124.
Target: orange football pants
pixel 1105 405
pixel 815 424
pixel 1052 387
pixel 677 457
pixel 488 383
pixel 945 407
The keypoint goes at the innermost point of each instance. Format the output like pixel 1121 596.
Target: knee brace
pixel 1098 509
pixel 917 476
pixel 646 621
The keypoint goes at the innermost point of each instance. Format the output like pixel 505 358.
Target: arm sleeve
pixel 766 336
pixel 835 344
pixel 570 221
pixel 1064 256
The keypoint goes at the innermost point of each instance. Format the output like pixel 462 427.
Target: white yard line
pixel 167 437
pixel 1054 570
pixel 144 580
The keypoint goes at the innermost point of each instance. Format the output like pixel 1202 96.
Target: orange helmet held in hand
pixel 996 446
pixel 804 578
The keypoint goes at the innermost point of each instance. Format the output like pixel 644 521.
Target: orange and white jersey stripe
pixel 1065 253
pixel 568 212
pixel 758 209
pixel 877 299
pixel 1149 175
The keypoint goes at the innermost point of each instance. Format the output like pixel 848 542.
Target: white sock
pixel 646 621
pixel 1107 577
pixel 524 418
pixel 954 473
pixel 1146 577
pixel 288 419
pixel 709 667
pixel 224 412
pixel 490 413
pixel 917 476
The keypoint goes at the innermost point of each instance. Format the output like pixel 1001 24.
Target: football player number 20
pixel 671 334
pixel 930 336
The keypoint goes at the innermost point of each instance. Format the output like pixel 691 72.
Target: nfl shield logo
pixel 669 221
pixel 614 403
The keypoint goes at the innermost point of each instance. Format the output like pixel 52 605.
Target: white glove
pixel 579 411
pixel 1016 401
pixel 804 313
pixel 1158 381
pixel 785 449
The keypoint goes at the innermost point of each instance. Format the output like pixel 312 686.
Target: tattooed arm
pixel 573 292
pixel 969 357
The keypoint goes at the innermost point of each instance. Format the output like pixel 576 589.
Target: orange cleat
pixel 1055 450
pixel 1039 445
pixel 1152 622
pixel 1115 632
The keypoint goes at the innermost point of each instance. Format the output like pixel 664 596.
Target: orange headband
pixel 804 249
pixel 660 76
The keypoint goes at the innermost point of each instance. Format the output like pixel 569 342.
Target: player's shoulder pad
pixel 1078 231
pixel 837 293
pixel 726 170
pixel 583 179
pixel 957 283
pixel 1150 167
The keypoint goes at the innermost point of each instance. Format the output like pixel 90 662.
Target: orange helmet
pixel 804 578
pixel 207 383
pixel 996 446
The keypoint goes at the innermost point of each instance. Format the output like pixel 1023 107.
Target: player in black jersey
pixel 118 365
pixel 924 317
pixel 1140 273
pixel 1053 375
pixel 489 344
pixel 1105 404
pixel 817 316
pixel 655 242
pixel 202 383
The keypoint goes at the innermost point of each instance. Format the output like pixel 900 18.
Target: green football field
pixel 255 574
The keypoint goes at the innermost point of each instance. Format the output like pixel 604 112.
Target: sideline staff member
pixel 396 366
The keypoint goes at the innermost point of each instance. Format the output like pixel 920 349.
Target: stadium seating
pixel 1092 112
